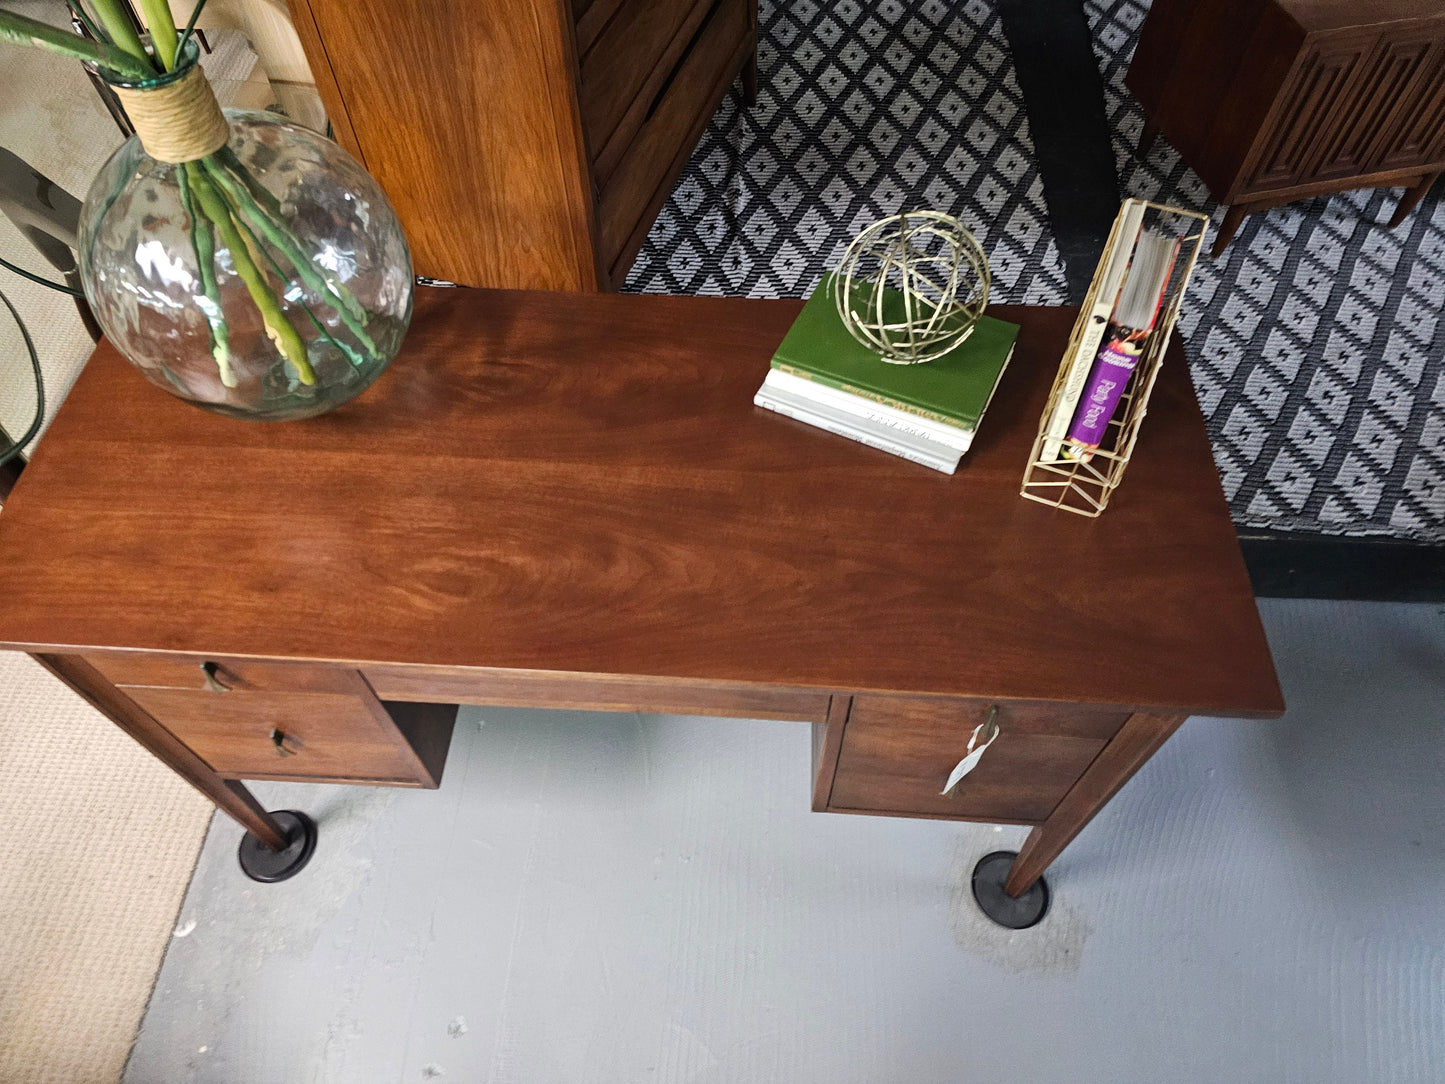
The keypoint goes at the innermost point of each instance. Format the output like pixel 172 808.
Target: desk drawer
pixel 896 756
pixel 246 675
pixel 332 727
pixel 320 735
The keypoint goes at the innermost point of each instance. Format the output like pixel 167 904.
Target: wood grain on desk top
pixel 581 483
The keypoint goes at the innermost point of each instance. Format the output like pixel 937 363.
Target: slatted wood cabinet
pixel 1271 101
pixel 527 143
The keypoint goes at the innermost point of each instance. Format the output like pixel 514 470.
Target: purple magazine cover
pixel 1134 315
pixel 1107 380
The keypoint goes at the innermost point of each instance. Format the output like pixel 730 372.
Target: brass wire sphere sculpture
pixel 911 286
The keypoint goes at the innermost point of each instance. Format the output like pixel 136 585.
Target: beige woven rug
pixel 97 844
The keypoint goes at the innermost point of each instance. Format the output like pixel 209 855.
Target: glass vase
pixel 303 318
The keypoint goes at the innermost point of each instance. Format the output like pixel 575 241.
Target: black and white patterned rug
pixel 1316 342
pixel 864 110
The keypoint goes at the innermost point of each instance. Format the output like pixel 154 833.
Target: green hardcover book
pixel 953 390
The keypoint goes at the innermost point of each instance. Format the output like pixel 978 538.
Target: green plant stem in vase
pixel 241 262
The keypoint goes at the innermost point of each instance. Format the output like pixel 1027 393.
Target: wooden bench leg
pixel 1233 216
pixel 750 80
pixel 1411 197
pixel 1138 739
pixel 1146 139
pixel 229 796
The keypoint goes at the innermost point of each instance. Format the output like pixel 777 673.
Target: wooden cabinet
pixel 1270 101
pixel 526 144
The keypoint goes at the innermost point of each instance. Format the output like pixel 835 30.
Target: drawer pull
pixel 213 683
pixel 983 736
pixel 278 741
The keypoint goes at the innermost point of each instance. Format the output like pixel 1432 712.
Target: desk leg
pixel 1138 739
pixel 230 796
pixel 827 742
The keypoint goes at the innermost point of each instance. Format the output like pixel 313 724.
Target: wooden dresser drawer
pixel 896 756
pixel 625 70
pixel 672 118
pixel 589 19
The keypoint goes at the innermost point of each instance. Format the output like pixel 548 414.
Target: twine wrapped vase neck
pixel 176 121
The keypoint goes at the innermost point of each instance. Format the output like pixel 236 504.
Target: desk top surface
pixel 581 483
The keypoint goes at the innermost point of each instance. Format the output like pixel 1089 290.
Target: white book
pixel 916 449
pixel 915 442
pixel 1118 254
pixel 824 395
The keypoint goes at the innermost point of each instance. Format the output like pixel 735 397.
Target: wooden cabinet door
pixel 1379 103
pixel 1415 135
pixel 1310 131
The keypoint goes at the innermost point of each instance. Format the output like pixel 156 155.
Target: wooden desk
pixel 570 501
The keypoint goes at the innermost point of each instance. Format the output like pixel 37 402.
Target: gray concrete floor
pixel 619 898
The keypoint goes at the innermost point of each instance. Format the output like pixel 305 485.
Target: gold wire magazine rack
pixel 1083 485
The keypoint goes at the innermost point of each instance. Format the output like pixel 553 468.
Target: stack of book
pixel 925 413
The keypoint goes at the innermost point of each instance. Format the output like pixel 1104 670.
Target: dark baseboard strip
pixel 1324 566
pixel 1053 56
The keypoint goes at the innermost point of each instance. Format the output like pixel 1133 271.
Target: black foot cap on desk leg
pixel 260 863
pixel 1015 914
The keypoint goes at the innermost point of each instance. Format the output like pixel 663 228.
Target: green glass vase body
pixel 142 274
